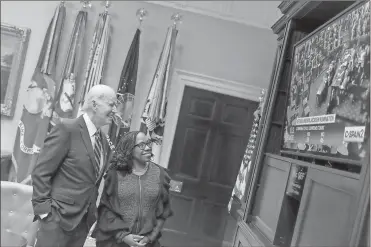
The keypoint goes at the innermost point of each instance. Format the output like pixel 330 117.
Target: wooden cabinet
pixel 333 206
pixel 270 195
pixel 326 214
pixel 328 208
pixel 246 238
pixel 365 234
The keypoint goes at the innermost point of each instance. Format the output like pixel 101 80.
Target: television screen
pixel 329 96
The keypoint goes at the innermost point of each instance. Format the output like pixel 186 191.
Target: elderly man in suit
pixel 69 170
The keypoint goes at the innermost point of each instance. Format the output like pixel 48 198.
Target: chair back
pixel 16 210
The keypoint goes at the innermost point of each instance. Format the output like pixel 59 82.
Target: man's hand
pixel 51 157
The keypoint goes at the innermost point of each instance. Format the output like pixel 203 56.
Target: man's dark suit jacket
pixel 64 176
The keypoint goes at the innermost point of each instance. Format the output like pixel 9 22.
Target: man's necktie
pixel 97 151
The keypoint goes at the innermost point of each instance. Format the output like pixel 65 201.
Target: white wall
pixel 204 45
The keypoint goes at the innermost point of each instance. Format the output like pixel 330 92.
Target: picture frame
pixel 14 44
pixel 329 91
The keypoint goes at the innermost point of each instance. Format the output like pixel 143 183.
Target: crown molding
pixel 182 79
pixel 286 5
pixel 225 12
pixel 293 9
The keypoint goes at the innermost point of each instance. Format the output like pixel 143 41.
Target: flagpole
pixel 177 19
pixel 66 95
pixel 35 117
pixel 97 55
pixel 141 14
pixel 126 87
pixel 86 4
pixel 154 114
pixel 107 5
pixel 244 175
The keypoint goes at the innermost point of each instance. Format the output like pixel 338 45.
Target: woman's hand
pixel 133 240
pixel 144 241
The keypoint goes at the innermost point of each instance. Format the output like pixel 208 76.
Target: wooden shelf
pixel 277 123
pixel 320 157
pixel 282 91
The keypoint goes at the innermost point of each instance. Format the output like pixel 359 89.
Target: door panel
pixel 327 210
pixel 202 108
pixel 210 139
pixel 213 227
pixel 270 195
pixel 186 206
pixel 194 142
pixel 232 115
pixel 220 174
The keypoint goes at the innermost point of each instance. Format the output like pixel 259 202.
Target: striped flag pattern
pixel 241 182
pixel 97 56
pixel 153 117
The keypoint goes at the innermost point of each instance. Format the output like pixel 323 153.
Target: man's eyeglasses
pixel 143 145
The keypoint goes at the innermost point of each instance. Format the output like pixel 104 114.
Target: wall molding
pixel 225 12
pixel 179 81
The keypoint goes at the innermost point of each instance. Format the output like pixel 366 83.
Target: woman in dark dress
pixel 135 200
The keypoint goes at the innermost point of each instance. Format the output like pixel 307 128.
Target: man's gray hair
pixel 98 92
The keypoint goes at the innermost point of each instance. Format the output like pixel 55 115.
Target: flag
pixel 126 91
pixel 97 56
pixel 154 113
pixel 63 104
pixel 65 100
pixel 33 125
pixel 241 181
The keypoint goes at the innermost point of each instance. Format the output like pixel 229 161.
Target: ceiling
pixel 262 14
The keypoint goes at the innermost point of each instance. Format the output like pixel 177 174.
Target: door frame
pixel 180 80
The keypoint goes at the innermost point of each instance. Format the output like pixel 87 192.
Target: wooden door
pixel 210 140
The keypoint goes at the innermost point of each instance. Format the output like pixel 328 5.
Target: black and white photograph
pixel 185 123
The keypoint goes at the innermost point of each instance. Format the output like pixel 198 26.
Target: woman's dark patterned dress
pixel 133 204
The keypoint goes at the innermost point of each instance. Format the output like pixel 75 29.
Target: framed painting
pixel 328 111
pixel 14 43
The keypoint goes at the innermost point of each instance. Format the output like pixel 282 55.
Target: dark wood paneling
pixel 327 211
pixel 221 173
pixel 195 141
pixel 270 195
pixel 203 108
pixel 365 235
pixel 321 221
pixel 232 115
